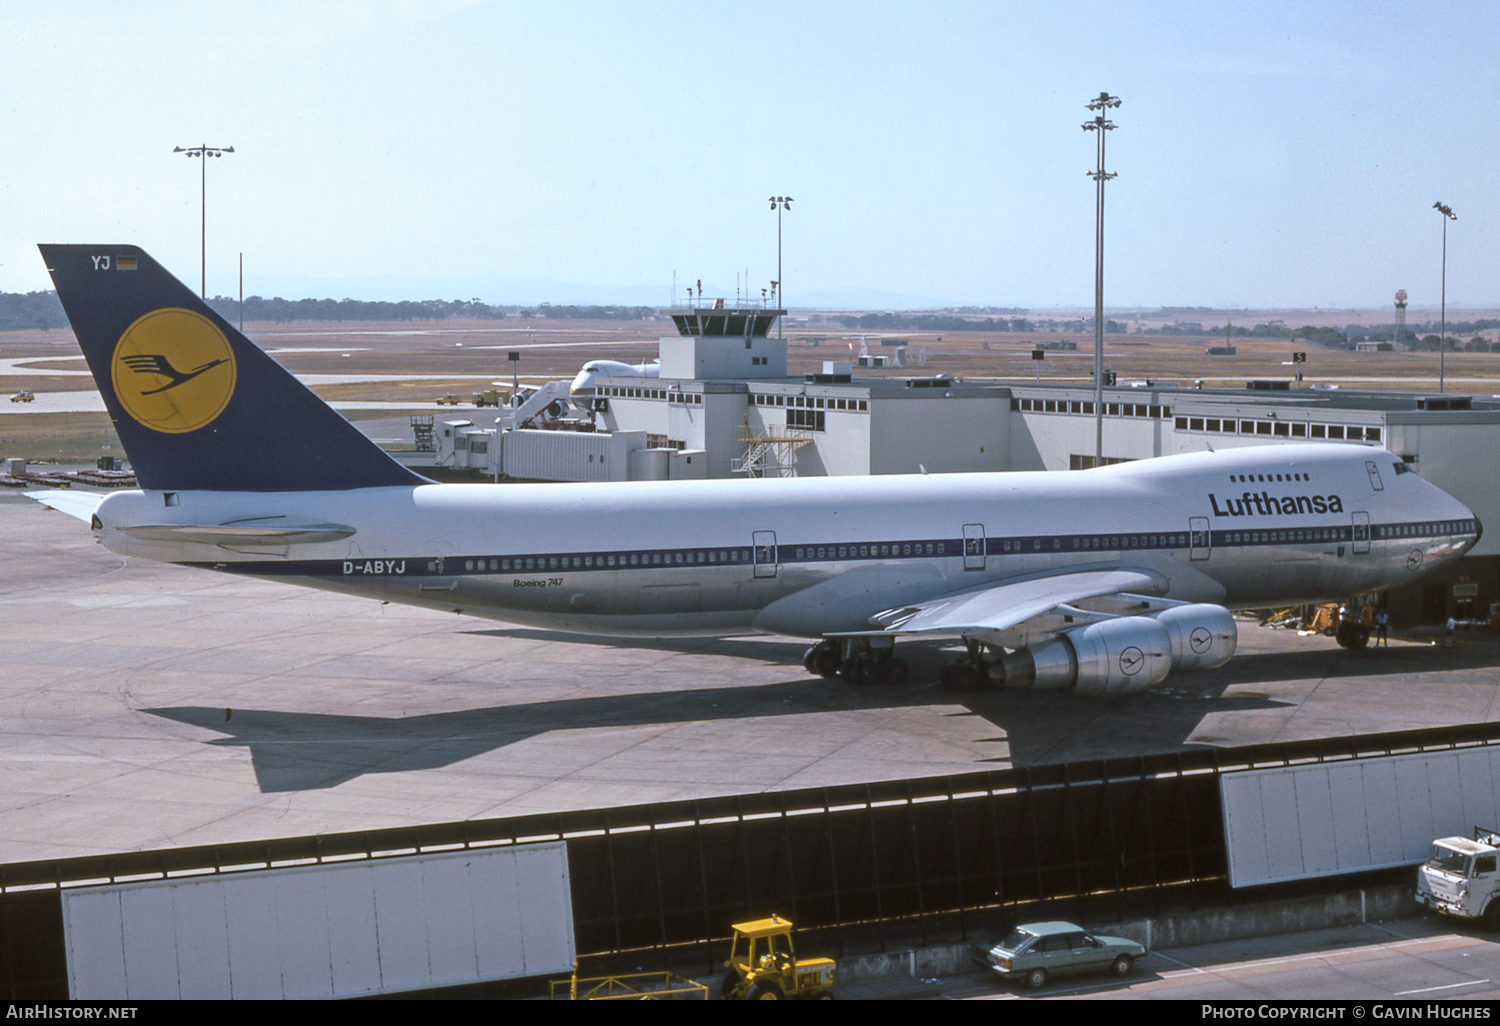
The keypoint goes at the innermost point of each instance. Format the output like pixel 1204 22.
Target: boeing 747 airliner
pixel 1101 581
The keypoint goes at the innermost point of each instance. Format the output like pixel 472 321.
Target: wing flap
pixel 1002 605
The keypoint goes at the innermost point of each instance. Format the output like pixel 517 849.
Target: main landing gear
pixel 970 673
pixel 857 660
pixel 872 661
pixel 824 659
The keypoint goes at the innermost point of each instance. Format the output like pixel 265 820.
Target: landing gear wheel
pixel 867 669
pixel 1352 634
pixel 964 676
pixel 1122 966
pixel 822 659
pixel 1036 978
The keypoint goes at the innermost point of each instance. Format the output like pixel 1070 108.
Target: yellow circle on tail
pixel 173 371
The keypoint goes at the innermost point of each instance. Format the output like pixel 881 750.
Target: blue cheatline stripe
pixel 700 557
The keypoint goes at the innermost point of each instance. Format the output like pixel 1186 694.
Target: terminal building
pixel 724 406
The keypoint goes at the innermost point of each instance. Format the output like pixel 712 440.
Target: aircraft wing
pixel 75 504
pixel 1000 606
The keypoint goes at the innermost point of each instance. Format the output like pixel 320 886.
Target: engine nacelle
pixel 1130 653
pixel 1203 636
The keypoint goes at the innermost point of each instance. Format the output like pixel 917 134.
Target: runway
pixel 148 706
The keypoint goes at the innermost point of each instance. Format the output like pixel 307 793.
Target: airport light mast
pixel 203 153
pixel 778 204
pixel 1101 124
pixel 1448 215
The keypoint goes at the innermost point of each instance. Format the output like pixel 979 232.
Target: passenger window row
pixel 944 548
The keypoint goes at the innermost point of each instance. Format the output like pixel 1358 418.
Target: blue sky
pixel 1269 154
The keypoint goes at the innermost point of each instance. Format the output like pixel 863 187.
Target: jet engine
pixel 1111 657
pixel 1124 654
pixel 1203 636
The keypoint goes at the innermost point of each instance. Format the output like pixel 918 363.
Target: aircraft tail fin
pixel 197 405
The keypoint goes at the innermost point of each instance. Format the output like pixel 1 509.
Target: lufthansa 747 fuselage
pixel 819 556
pixel 1100 580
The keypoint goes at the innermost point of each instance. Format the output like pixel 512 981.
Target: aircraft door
pixel 1361 534
pixel 1200 537
pixel 764 549
pixel 973 546
pixel 435 579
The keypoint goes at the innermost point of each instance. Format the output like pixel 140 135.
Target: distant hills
pixel 33 311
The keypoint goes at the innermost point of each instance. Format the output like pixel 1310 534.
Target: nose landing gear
pixel 1352 630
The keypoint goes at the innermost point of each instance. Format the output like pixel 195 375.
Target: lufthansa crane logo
pixel 173 371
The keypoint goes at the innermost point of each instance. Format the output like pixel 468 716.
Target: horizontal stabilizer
pixel 75 504
pixel 239 534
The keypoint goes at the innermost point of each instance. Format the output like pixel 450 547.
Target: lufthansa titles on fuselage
pixel 1265 504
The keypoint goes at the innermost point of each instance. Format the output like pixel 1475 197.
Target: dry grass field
pixel 417 362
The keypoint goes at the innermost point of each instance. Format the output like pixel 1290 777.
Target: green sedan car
pixel 1036 952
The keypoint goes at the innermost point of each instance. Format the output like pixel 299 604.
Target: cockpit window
pixel 1402 468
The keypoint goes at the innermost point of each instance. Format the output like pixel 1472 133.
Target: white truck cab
pixel 1461 877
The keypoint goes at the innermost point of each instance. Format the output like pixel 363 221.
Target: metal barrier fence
pixel 837 859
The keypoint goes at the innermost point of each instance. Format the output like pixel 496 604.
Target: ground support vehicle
pixel 1036 952
pixel 451 399
pixel 491 397
pixel 1461 878
pixel 763 965
pixel 23 397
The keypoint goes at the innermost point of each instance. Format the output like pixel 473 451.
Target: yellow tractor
pixel 763 965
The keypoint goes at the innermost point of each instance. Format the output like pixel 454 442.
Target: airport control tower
pixel 715 340
pixel 1400 316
